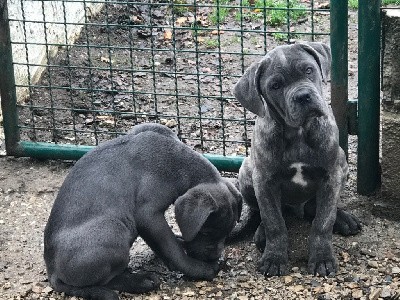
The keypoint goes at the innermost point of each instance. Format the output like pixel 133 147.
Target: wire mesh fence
pixel 172 62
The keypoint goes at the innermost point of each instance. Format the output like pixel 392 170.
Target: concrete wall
pixel 39 11
pixel 391 106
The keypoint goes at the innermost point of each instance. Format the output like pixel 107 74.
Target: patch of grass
pixel 353 4
pixel 219 13
pixel 179 8
pixel 278 16
pixel 277 13
pixel 280 36
pixel 211 43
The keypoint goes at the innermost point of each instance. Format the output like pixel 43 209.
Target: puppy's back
pixel 107 180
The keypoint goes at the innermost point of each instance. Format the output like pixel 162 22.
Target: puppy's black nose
pixel 302 97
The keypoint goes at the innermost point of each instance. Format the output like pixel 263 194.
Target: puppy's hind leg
pixel 134 282
pixel 250 218
pixel 93 292
pixel 345 224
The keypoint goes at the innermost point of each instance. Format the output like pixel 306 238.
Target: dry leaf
pixel 105 59
pixel 216 32
pixel 180 21
pixel 167 34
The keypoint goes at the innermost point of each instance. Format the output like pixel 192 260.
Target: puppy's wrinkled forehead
pixel 285 57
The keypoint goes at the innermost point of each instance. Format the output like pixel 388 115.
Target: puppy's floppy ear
pixel 246 90
pixel 192 210
pixel 322 54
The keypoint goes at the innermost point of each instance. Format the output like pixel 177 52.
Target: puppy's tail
pixel 250 219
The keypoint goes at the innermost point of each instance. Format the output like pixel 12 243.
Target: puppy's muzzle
pixel 302 97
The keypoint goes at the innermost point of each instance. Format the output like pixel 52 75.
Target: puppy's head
pixel 287 83
pixel 206 214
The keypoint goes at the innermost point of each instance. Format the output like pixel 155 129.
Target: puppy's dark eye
pixel 275 85
pixel 309 70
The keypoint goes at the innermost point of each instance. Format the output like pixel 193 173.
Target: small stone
pixel 298 275
pixel 396 270
pixel 367 252
pixel 375 294
pixel 37 289
pixel 47 290
pixel 388 278
pixel 352 285
pixel 153 297
pixel 298 288
pixel 315 283
pixel 6 285
pixel 357 294
pixel 189 293
pixel 385 292
pixel 295 269
pixel 345 256
pixel 288 279
pixel 171 123
pixel 373 264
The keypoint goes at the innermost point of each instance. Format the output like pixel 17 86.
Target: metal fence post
pixel 368 175
pixel 7 84
pixel 339 72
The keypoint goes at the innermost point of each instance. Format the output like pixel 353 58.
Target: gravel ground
pixel 369 263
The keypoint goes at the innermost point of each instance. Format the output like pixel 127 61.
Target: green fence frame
pixel 345 111
pixel 369 42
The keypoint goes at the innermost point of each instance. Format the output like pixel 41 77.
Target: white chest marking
pixel 298 177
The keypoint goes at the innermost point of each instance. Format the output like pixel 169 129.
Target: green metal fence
pixel 170 61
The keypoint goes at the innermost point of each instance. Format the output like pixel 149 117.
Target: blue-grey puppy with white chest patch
pixel 119 191
pixel 295 155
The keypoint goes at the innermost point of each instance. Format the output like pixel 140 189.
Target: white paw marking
pixel 298 177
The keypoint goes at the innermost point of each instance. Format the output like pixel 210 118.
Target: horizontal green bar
pixel 225 163
pixel 41 150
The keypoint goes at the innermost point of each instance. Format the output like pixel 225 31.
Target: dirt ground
pixel 369 263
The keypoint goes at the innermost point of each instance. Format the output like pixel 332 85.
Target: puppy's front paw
pixel 322 265
pixel 273 264
pixel 346 224
pixel 149 282
pixel 203 271
pixel 135 282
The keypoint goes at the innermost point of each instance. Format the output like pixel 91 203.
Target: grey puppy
pixel 120 190
pixel 295 155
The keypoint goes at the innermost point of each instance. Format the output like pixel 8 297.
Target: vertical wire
pixel 242 71
pixel 175 73
pixel 265 27
pixel 312 21
pixel 53 121
pixel 130 27
pixel 34 138
pixel 288 20
pixel 110 69
pixel 68 62
pixel 90 74
pixel 220 80
pixel 153 67
pixel 197 74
